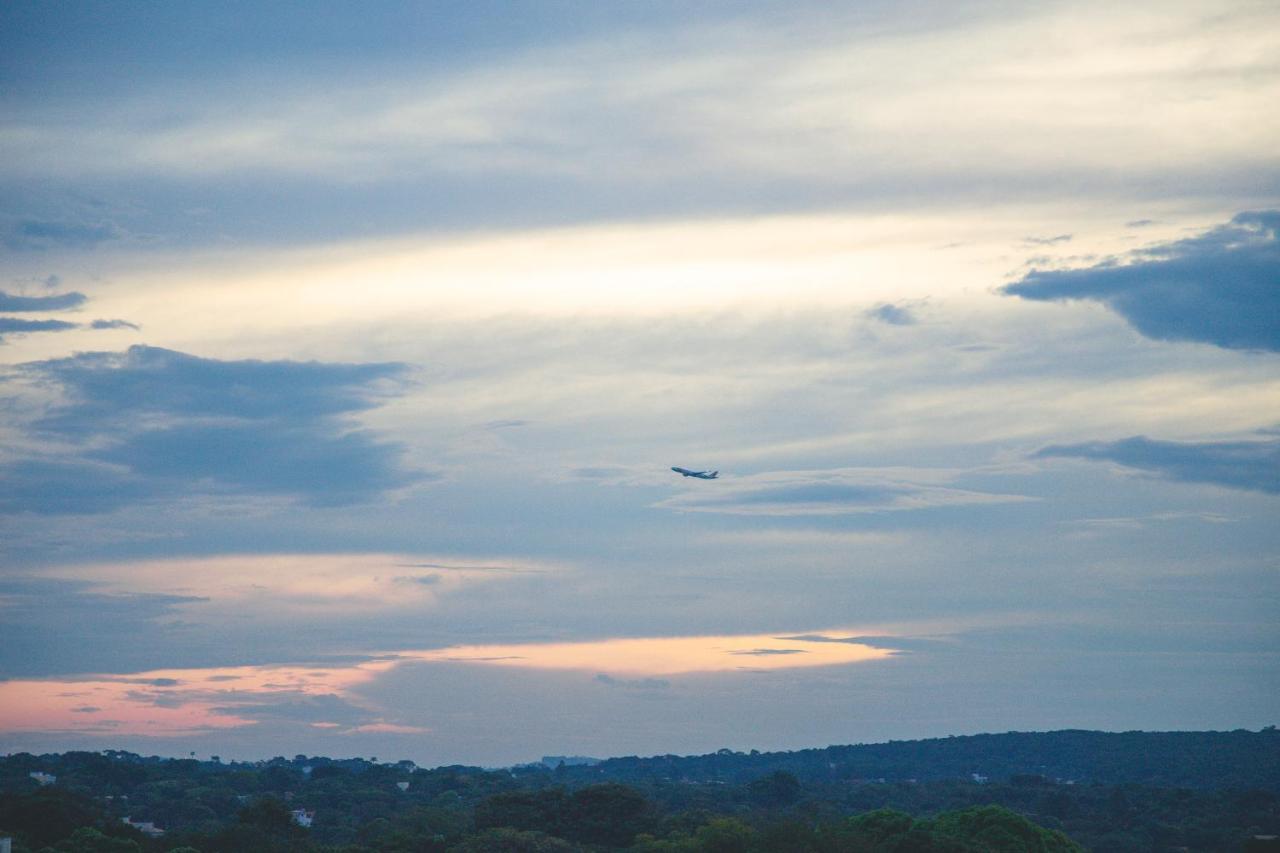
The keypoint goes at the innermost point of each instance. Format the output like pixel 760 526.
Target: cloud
pixel 147 380
pixel 153 423
pixel 294 706
pixel 52 233
pixel 157 703
pixel 421 580
pixel 114 324
pixel 633 683
pixel 316 463
pixel 58 487
pixel 58 625
pixel 894 315
pixel 611 115
pixel 833 492
pixel 899 644
pixel 1221 287
pixel 1247 465
pixel 11 325
pixel 55 302
pixel 644 657
pixel 1046 241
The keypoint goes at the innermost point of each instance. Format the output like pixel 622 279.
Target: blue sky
pixel 345 355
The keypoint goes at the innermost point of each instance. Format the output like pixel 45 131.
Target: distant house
pixel 146 827
pixel 303 817
pixel 979 778
pixel 43 778
pixel 403 786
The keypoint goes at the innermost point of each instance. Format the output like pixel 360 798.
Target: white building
pixel 43 778
pixel 302 817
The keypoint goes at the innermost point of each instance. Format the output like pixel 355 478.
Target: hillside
pixel 1195 760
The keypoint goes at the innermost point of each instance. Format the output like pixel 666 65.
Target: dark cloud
pixel 157 699
pixel 53 233
pixel 486 659
pixel 156 423
pixel 1249 465
pixel 1047 241
pixel 894 315
pixel 86 709
pixel 10 325
pixel 633 684
pixel 829 493
pixel 55 487
pixel 1221 287
pixel 312 462
pixel 155 682
pixel 143 380
pixel 422 580
pixel 833 492
pixel 293 706
pixel 769 652
pixel 1139 223
pixel 41 614
pixel 894 643
pixel 515 570
pixel 54 302
pixel 114 324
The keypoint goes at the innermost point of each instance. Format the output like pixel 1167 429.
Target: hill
pixel 1194 760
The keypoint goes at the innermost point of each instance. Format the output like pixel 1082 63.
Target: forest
pixel 1056 791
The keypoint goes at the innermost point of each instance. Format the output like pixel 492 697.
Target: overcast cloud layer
pixel 344 357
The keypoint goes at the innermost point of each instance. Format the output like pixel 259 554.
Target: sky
pixel 345 352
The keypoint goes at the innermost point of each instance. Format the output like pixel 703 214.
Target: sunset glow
pixel 184 701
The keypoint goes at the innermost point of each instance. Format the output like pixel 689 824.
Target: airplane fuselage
pixel 701 475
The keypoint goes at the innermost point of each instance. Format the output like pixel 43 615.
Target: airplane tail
pixel 715 474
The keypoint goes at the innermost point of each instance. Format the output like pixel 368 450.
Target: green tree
pixel 997 829
pixel 532 811
pixel 778 789
pixel 86 839
pixel 609 814
pixel 881 825
pixel 505 840
pixel 725 835
pixel 46 816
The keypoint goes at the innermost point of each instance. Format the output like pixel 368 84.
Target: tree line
pixel 725 802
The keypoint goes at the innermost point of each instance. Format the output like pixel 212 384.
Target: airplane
pixel 701 475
